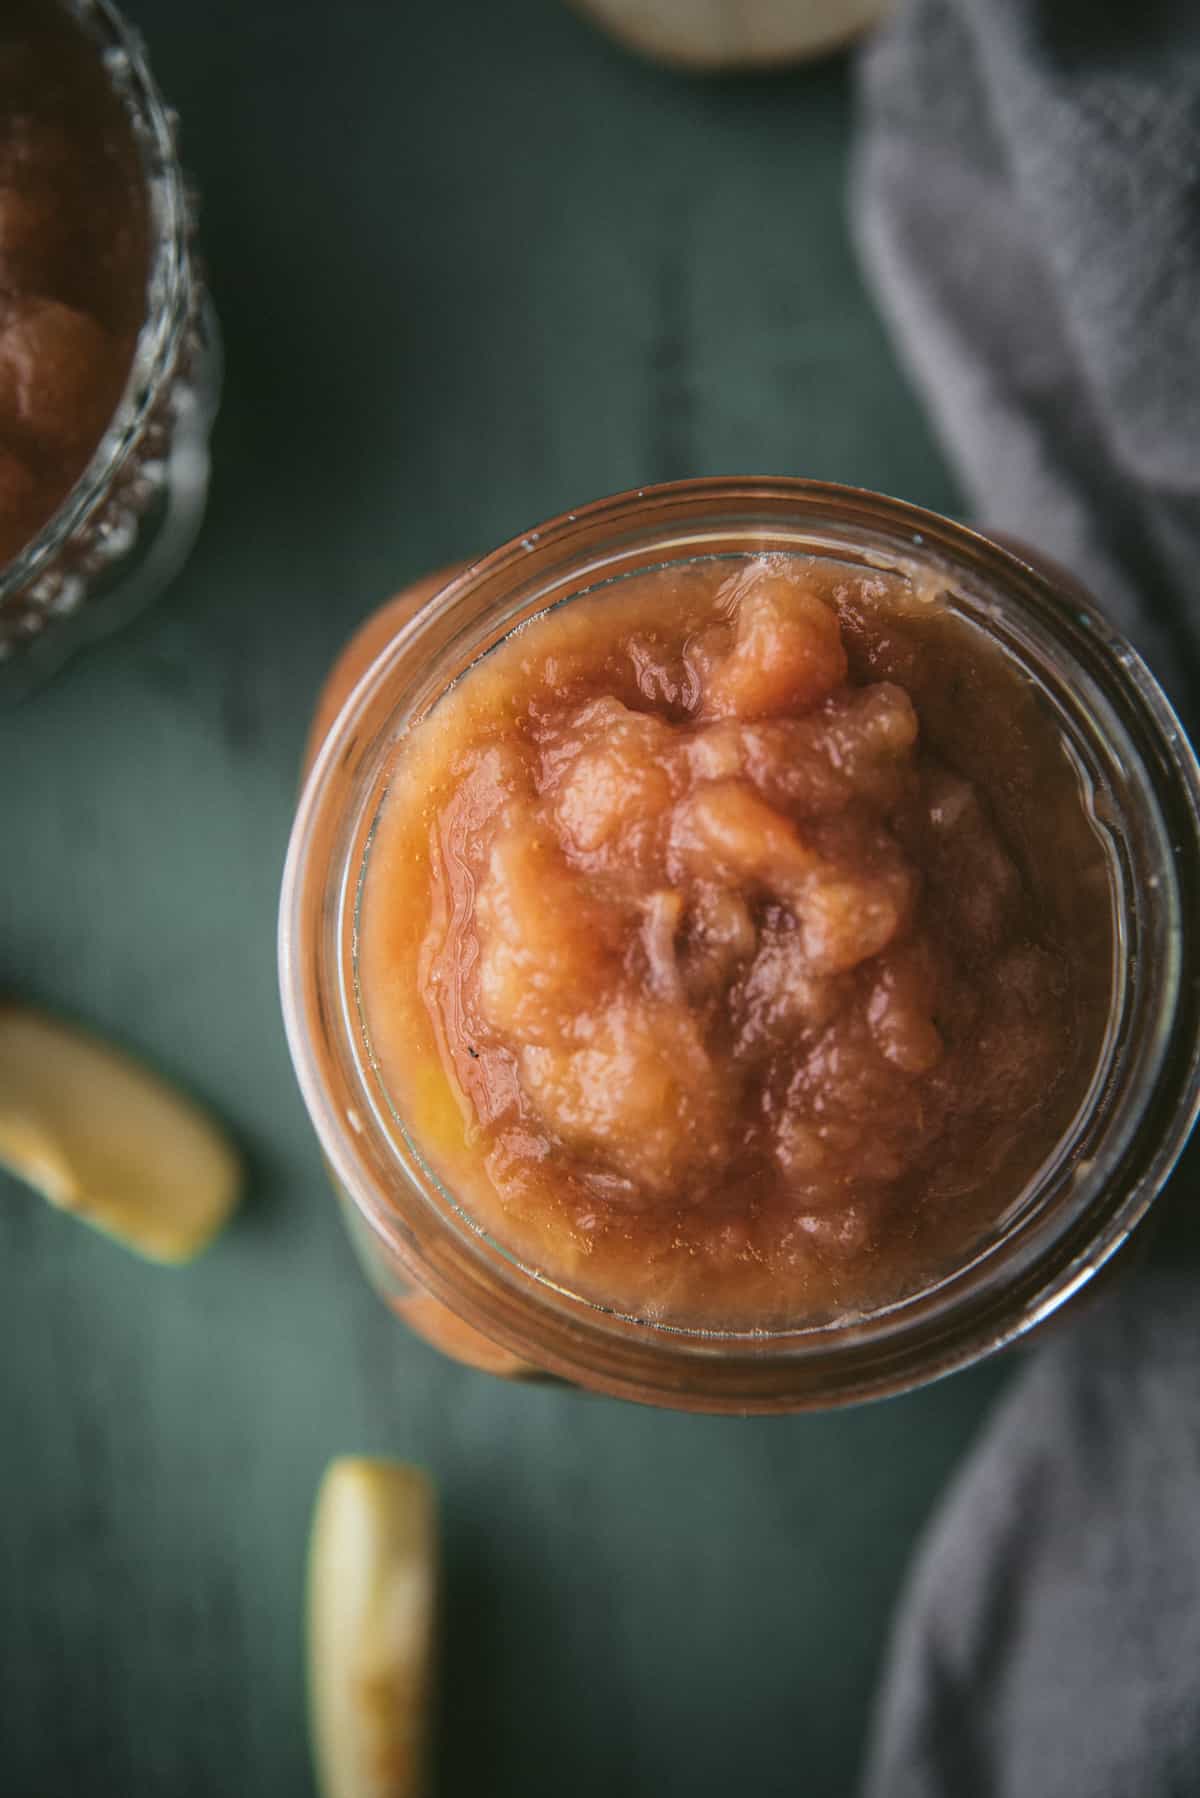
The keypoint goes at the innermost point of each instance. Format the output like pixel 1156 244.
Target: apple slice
pixel 713 35
pixel 372 1582
pixel 102 1137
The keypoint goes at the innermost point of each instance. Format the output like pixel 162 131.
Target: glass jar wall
pixel 425 1243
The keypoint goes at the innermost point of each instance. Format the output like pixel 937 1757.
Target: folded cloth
pixel 1050 1638
pixel 1026 200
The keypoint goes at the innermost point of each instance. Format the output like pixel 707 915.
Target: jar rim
pixel 701 1370
pixel 170 288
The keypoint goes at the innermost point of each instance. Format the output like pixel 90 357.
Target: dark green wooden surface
pixel 474 266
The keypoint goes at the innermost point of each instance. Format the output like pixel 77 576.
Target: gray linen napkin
pixel 1049 1644
pixel 1027 203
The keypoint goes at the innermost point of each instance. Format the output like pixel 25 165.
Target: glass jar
pixel 460 1288
pixel 127 525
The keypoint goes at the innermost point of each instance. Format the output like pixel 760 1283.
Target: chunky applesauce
pixel 734 942
pixel 73 260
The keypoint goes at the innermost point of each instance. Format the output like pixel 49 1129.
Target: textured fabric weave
pixel 1049 1643
pixel 1027 204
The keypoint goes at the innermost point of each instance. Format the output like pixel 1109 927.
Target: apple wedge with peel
pixel 372 1591
pixel 708 36
pixel 107 1140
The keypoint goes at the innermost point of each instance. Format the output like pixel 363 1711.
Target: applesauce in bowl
pixel 716 913
pixel 74 257
pixel 712 964
pixel 109 350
